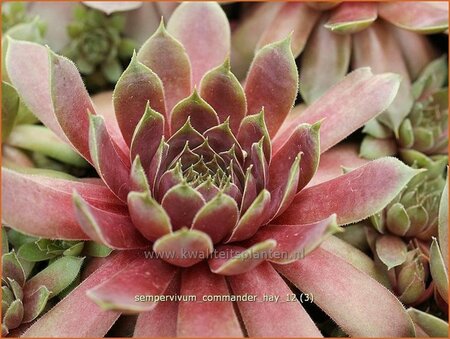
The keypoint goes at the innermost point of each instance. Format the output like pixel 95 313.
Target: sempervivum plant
pixel 202 190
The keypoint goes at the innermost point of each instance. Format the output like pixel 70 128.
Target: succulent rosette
pixel 424 131
pixel 333 37
pixel 205 189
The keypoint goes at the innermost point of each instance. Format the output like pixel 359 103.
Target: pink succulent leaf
pixel 371 311
pixel 12 268
pixel 235 260
pixel 112 169
pixel 137 87
pixel 353 196
pixel 51 278
pixel 377 48
pixel 350 17
pixel 428 325
pixel 332 161
pixel 138 178
pixel 293 17
pixel 323 6
pixel 391 250
pixel 110 7
pixel 245 36
pixel 217 217
pixel 252 219
pixel 96 322
pixel 71 102
pixel 165 56
pixel 110 228
pixel 199 281
pixel 169 179
pixel 374 148
pixel 422 17
pixel 157 165
pixel 324 62
pixel 220 88
pixel 222 139
pixel 104 106
pixel 417 50
pixel 35 303
pixel 184 247
pixel 182 203
pixel 282 192
pixel 304 140
pixel 260 166
pixel 204 31
pixel 252 129
pixel 296 241
pixel 356 99
pixel 161 321
pixel 49 218
pixel 147 136
pixel 209 191
pixel 277 319
pixel 27 77
pixel 148 216
pixel 142 276
pixel 202 116
pixel 272 83
pixel 443 223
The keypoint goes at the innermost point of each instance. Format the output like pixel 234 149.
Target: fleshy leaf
pixel 12 268
pixel 181 203
pixel 433 326
pixel 352 17
pixel 51 279
pixel 111 168
pixel 110 228
pixel 202 116
pixel 142 277
pixel 165 56
pixel 35 303
pixel 138 87
pixel 235 260
pixel 438 269
pixel 220 88
pixel 356 99
pixel 96 322
pixel 293 17
pixel 304 139
pixel 217 217
pixel 71 102
pixel 373 148
pixel 252 129
pixel 10 107
pixel 353 196
pixel 372 311
pixel 161 321
pixel 203 30
pixel 294 242
pixel 272 83
pixel 324 62
pixel 199 281
pixel 13 315
pixel 443 222
pixel 421 17
pixel 184 247
pixel 377 48
pixel 147 136
pixel 32 80
pixel 138 178
pixel 148 216
pixel 252 219
pixel 274 319
pixel 40 139
pixel 391 250
pixel 49 217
